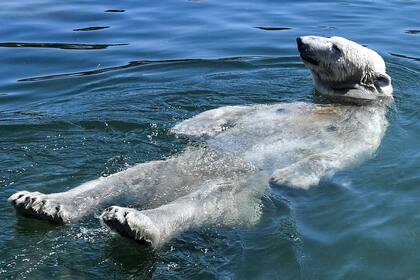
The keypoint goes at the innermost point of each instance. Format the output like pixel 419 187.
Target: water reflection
pixel 64 46
pixel 412 31
pixel 114 11
pixel 138 63
pixel 91 28
pixel 269 28
pixel 405 56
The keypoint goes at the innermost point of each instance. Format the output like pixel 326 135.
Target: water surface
pixel 88 88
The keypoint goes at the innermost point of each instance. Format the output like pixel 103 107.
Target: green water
pixel 88 88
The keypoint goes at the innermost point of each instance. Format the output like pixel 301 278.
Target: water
pixel 88 88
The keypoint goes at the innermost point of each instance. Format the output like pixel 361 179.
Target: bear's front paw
pixel 294 178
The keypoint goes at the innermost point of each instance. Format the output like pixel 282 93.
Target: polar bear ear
pixel 381 79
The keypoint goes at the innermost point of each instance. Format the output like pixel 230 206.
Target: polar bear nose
pixel 301 46
pixel 299 42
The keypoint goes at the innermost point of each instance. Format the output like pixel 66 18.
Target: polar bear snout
pixel 303 44
pixel 302 47
pixel 305 51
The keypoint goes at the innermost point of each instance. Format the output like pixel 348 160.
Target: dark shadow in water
pixel 133 64
pixel 133 258
pixel 91 28
pixel 268 28
pixel 405 56
pixel 64 46
pixel 412 31
pixel 287 192
pixel 30 226
pixel 114 11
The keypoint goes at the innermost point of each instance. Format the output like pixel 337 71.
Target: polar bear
pixel 240 151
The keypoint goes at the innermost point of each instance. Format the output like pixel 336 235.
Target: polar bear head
pixel 344 69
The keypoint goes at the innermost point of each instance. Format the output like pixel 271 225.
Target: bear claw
pixel 34 204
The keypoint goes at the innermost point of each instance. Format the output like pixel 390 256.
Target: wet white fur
pixel 346 65
pixel 244 149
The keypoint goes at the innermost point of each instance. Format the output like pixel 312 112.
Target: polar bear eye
pixel 336 48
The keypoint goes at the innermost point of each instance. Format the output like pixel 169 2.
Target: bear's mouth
pixel 309 59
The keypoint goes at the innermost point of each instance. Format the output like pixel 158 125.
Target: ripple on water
pixel 100 85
